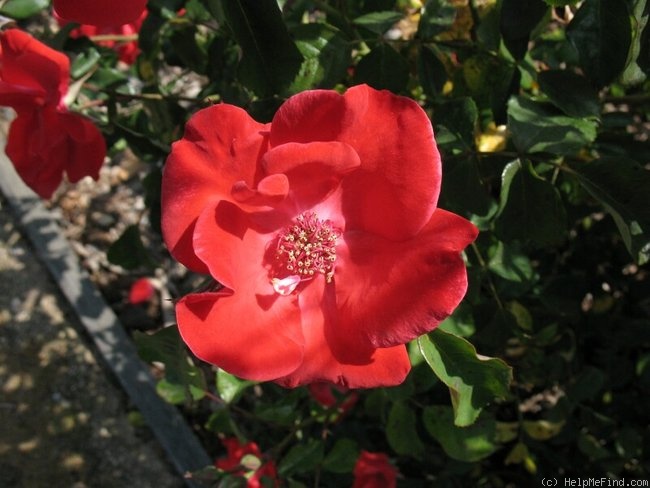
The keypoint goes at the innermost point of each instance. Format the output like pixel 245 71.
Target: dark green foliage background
pixel 541 111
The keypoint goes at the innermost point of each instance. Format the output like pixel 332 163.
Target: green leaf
pixel 490 80
pixel 473 381
pixel 460 117
pixel 431 72
pixel 535 127
pixel 437 17
pixel 506 262
pixel 277 414
pixel 302 458
pixel 327 56
pixel 342 457
pixel 531 208
pixel 84 62
pixel 176 393
pixel 622 186
pixel 518 19
pixel 601 33
pixel 592 448
pixel 383 68
pixel 22 9
pixel 463 190
pixel 183 44
pixel 521 314
pixel 401 431
pixel 220 420
pixel 378 22
pixel 460 323
pixel 230 387
pixel 128 251
pixel 468 444
pixel 270 59
pixel 560 3
pixel 183 380
pixel 634 72
pixel 569 92
pixel 586 386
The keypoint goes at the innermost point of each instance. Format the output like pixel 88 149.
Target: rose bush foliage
pixel 374 470
pixel 540 110
pixel 322 228
pixel 246 460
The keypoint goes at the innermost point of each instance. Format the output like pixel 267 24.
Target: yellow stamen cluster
pixel 308 247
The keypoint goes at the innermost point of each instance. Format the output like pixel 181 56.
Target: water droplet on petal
pixel 285 286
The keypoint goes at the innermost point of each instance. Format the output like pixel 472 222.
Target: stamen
pixel 305 249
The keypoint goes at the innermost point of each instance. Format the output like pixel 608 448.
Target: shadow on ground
pixel 62 421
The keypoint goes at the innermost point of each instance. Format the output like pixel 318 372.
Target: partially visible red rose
pixel 374 470
pixel 128 51
pixel 32 74
pixel 45 140
pixel 99 12
pixel 141 291
pixel 323 228
pixel 236 453
pixel 330 395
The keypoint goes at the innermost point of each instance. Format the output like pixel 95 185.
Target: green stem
pixel 484 266
pixel 114 37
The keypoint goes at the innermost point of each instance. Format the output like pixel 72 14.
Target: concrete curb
pixel 102 325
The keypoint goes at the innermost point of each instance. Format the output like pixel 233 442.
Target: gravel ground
pixel 63 422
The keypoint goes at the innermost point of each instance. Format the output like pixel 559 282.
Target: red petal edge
pixel 221 146
pixel 99 12
pixel 250 336
pixel 396 189
pixel 389 292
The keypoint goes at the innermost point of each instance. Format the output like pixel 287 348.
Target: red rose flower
pixel 141 291
pixel 373 470
pixel 234 463
pixel 323 229
pixel 127 51
pixel 99 12
pixel 45 140
pixel 324 393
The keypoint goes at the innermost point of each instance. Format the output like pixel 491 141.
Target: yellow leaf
pixel 542 430
pixel 493 139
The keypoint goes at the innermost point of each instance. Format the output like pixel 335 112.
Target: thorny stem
pixel 160 97
pixel 317 477
pixel 234 408
pixel 288 438
pixel 114 37
pixel 639 98
pixel 493 288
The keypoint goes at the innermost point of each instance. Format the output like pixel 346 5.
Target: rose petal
pixel 141 291
pixel 330 357
pixel 374 470
pixel 234 245
pixel 30 64
pixel 246 334
pixel 127 51
pixel 20 98
pixel 390 292
pixel 314 170
pixel 221 146
pixel 86 148
pixel 37 155
pixel 43 144
pixel 99 12
pixel 396 190
pixel 270 191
